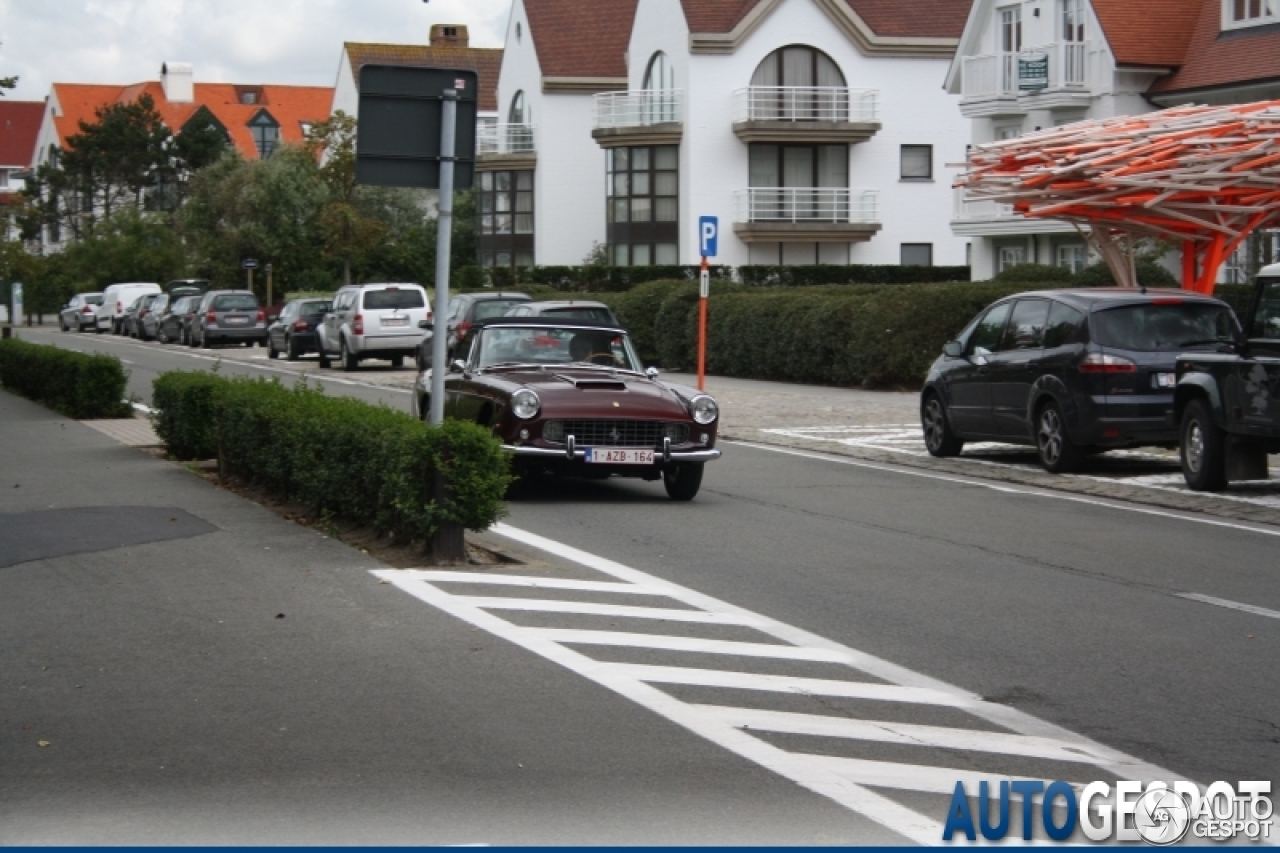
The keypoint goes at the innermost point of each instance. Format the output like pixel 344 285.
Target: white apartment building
pixel 1024 65
pixel 817 131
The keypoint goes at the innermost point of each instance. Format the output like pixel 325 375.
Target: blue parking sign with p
pixel 708 236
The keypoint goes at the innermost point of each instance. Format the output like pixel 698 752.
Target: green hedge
pixel 593 279
pixel 809 276
pixel 73 383
pixel 367 464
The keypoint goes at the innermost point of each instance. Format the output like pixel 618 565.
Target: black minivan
pixel 1070 372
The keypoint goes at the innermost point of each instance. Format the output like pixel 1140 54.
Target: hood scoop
pixel 592 383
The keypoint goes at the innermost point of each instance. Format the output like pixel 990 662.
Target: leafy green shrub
pixel 1036 274
pixel 809 276
pixel 186 407
pixel 73 383
pixel 368 464
pixel 1150 274
pixel 468 278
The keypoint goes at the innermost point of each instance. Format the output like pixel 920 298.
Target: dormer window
pixel 1239 14
pixel 249 96
pixel 266 134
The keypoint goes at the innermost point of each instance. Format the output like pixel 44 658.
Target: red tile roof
pixel 1150 32
pixel 1214 58
pixel 582 39
pixel 19 127
pixel 485 61
pixel 890 18
pixel 290 106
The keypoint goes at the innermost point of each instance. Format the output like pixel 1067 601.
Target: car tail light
pixel 300 325
pixel 463 328
pixel 119 307
pixel 1096 362
pixel 262 316
pixel 1167 300
pixel 357 325
pixel 86 310
pixel 211 317
pixel 431 318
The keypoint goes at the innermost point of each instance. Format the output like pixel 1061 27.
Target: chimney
pixel 449 35
pixel 178 81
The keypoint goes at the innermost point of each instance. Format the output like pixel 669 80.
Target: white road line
pixel 792 684
pixel 798 768
pixel 910 777
pixel 532 582
pixel 900 733
pixel 1008 489
pixel 590 609
pixel 1233 605
pixel 686 644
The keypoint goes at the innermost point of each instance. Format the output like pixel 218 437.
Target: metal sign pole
pixel 444 244
pixel 704 290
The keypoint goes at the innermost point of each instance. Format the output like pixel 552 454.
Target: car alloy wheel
pixel 272 352
pixel 1057 454
pixel 938 437
pixel 350 362
pixel 1203 449
pixel 63 323
pixel 291 348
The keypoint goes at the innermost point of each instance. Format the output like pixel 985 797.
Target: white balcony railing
pixel 806 103
pixel 963 208
pixel 996 74
pixel 829 205
pixel 505 139
pixel 639 109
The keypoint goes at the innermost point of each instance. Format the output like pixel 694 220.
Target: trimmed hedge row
pixel 336 455
pixel 592 279
pixel 816 275
pixel 73 383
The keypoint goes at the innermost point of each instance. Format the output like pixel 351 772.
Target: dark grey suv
pixel 1070 371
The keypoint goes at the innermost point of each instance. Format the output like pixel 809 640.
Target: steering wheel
pixel 607 356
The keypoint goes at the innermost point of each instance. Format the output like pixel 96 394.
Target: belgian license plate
pixel 611 456
pixel 394 321
pixel 237 321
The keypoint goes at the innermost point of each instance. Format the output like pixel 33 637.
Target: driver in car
pixel 591 348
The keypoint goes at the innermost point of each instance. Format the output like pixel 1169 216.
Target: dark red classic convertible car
pixel 571 398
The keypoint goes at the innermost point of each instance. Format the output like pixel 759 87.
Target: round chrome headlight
pixel 704 409
pixel 525 404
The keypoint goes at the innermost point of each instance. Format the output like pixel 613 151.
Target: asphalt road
pixel 380 714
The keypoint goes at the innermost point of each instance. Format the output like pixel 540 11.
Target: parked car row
pixel 1079 372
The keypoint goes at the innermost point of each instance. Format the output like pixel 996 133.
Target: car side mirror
pixel 458 366
pixel 651 372
pixel 953 349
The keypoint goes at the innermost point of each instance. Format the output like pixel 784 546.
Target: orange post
pixel 704 287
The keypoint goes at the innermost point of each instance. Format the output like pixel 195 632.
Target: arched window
pixel 798 83
pixel 266 134
pixel 519 112
pixel 659 87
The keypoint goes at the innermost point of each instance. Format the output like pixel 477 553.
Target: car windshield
pixel 598 315
pixel 391 298
pixel 315 306
pixel 1163 326
pixel 235 302
pixel 490 308
pixel 551 345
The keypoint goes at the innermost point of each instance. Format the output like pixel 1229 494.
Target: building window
pixel 4 179
pixel 266 134
pixel 1073 257
pixel 517 113
pixel 1237 14
pixel 504 204
pixel 798 83
pixel 917 162
pixel 1008 131
pixel 799 182
pixel 1010 256
pixel 643 205
pixel 917 254
pixel 660 78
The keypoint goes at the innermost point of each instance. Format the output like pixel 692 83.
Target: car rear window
pixel 491 308
pixel 235 302
pixel 320 306
pixel 601 315
pixel 1157 327
pixel 93 299
pixel 389 299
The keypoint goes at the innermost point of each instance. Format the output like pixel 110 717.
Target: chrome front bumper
pixel 576 453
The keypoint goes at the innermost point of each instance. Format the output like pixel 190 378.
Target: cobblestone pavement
pixel 884 426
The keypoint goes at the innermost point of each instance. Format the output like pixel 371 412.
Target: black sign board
pixel 249 264
pixel 398 141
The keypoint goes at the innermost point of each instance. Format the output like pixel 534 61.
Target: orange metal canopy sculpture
pixel 1204 176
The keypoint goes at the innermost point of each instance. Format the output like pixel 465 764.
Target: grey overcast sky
pixel 228 41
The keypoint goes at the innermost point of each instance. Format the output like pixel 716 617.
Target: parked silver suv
pixel 373 321
pixel 228 316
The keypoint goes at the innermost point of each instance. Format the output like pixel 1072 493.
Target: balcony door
pixel 799 183
pixel 798 83
pixel 1010 47
pixel 1073 47
pixel 659 90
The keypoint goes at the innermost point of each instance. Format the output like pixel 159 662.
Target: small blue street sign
pixel 708 236
pixel 249 263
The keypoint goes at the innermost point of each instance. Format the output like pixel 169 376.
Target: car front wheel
pixel 1203 449
pixel 682 480
pixel 938 437
pixel 1057 453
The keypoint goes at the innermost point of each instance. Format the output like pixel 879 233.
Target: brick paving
pixel 135 432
